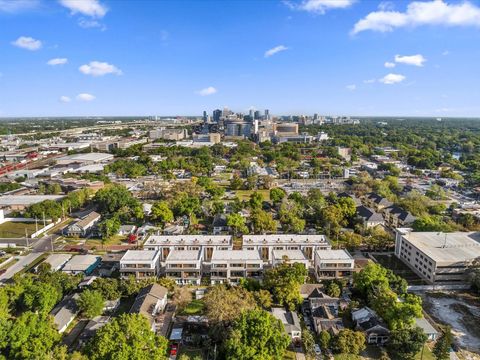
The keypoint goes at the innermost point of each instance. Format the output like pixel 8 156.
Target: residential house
pixel 126 230
pixel 82 264
pixel 376 202
pixel 110 263
pixel 84 226
pixel 140 263
pixel 57 261
pixel 290 322
pixel 65 312
pixel 324 311
pixel 219 224
pixel 428 329
pixel 366 320
pixel 369 217
pixel 150 302
pixel 396 217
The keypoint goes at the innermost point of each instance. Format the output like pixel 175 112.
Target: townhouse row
pixel 188 258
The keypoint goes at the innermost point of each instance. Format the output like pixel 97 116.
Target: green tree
pixel 108 287
pixel 256 335
pixel 235 182
pixel 371 276
pixel 405 343
pixel 127 337
pixel 237 223
pixel 224 305
pixel 348 342
pixel 442 347
pixel 256 200
pixel 117 200
pixel 161 212
pixel 109 228
pixel 262 222
pixel 277 195
pixel 308 342
pixel 324 338
pixel 284 281
pixel 333 289
pixel 41 297
pixel 91 303
pixel 32 336
pixel 263 298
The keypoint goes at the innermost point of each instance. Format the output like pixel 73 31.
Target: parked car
pixel 174 350
pixel 317 349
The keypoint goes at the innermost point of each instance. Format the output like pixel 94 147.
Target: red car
pixel 173 350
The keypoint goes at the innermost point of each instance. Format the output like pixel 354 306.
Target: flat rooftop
pixel 290 254
pixel 57 260
pixel 334 255
pixel 139 255
pixel 219 255
pixel 96 157
pixel 446 247
pixel 27 199
pixel 183 255
pixel 284 239
pixel 188 240
pixel 80 262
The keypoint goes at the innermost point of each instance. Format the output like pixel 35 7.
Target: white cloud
pixel 85 97
pixel 369 81
pixel 320 6
pixel 90 24
pixel 66 99
pixel 57 61
pixel 97 68
pixel 29 43
pixel 416 60
pixel 207 91
pixel 445 53
pixel 392 79
pixel 92 8
pixel 16 6
pixel 435 12
pixel 389 65
pixel 351 87
pixel 275 50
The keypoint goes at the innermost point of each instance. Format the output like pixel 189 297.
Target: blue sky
pixel 410 58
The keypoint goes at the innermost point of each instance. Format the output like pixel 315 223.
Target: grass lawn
pixel 289 355
pixel 427 354
pixel 114 240
pixel 11 229
pixel 195 307
pixel 245 194
pixel 191 353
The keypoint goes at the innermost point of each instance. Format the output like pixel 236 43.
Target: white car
pixel 317 349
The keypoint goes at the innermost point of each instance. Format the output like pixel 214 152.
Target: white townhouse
pixel 229 266
pixel 267 244
pixel 140 263
pixel 206 244
pixel 184 266
pixel 331 264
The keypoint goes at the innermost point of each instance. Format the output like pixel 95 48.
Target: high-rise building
pixel 256 115
pixel 226 112
pixel 267 114
pixel 251 113
pixel 217 114
pixel 205 117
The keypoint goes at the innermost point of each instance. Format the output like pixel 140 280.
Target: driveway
pixel 19 265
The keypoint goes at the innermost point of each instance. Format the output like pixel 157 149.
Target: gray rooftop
pixel 446 247
pixel 239 255
pixel 290 254
pixel 188 240
pixel 140 255
pixel 26 200
pixel 80 262
pixel 284 239
pixel 183 255
pixel 334 255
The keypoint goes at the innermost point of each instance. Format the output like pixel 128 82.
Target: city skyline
pixel 100 58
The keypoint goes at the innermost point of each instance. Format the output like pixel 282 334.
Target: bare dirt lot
pixel 462 313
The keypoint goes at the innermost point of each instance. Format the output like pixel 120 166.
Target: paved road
pixel 20 264
pixel 44 244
